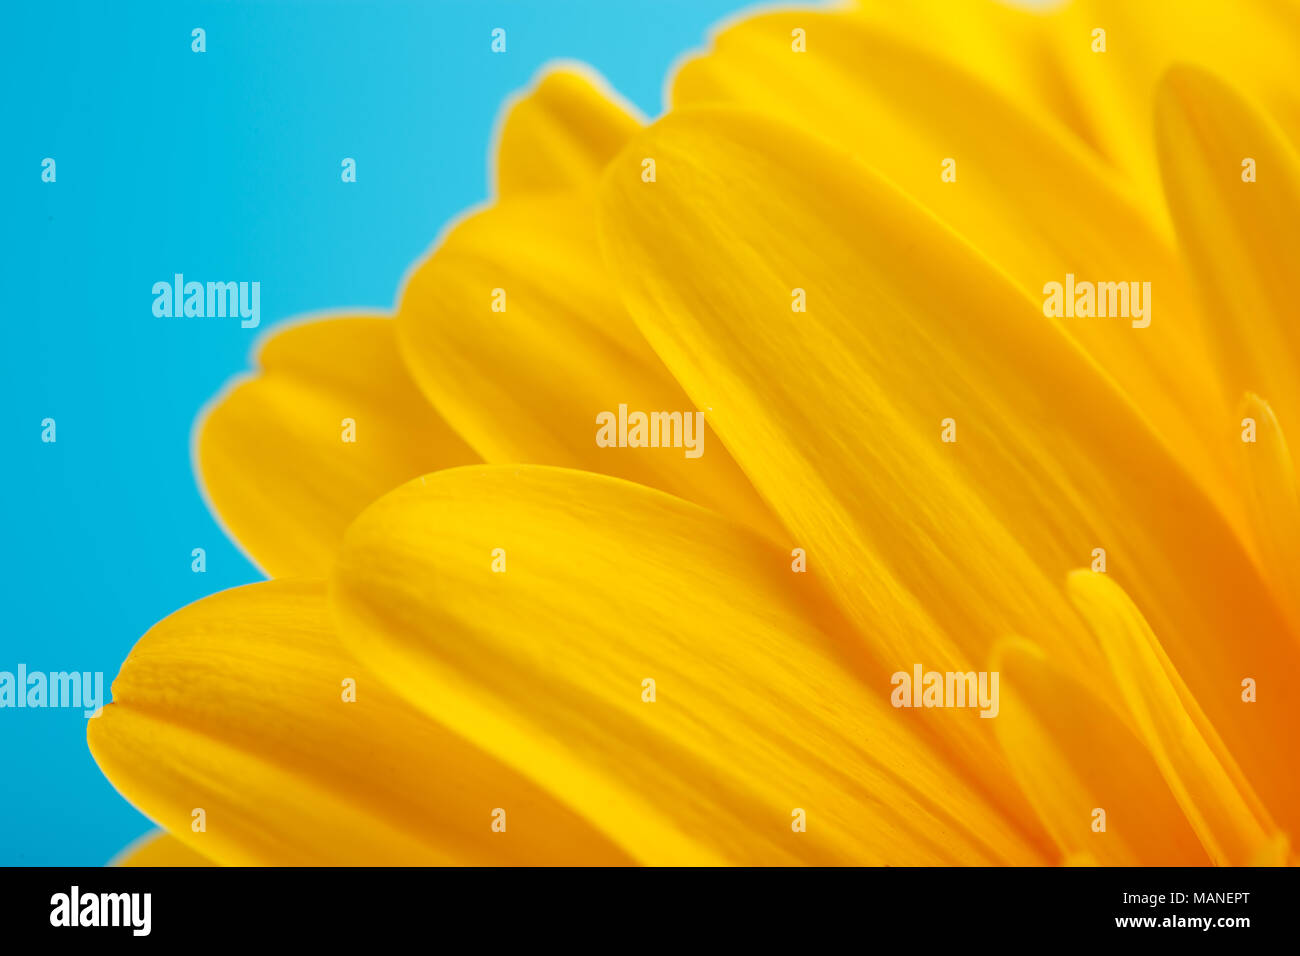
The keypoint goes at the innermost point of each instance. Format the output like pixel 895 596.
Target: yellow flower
pixel 650 680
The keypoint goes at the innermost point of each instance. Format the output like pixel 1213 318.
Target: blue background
pixel 221 165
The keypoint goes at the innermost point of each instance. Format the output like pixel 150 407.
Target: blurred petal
pixel 1272 494
pixel 1252 41
pixel 1007 46
pixel 560 134
pixel 758 711
pixel 1229 819
pixel 160 849
pixel 526 384
pixel 1241 238
pixel 271 453
pixel 235 705
pixel 1051 727
pixel 836 416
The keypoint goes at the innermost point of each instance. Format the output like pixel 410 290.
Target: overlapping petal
pixel 1232 180
pixel 526 384
pixel 1242 238
pixel 1028 196
pixel 235 706
pixel 559 135
pixel 1256 42
pixel 761 705
pixel 1271 487
pixel 1007 46
pixel 837 414
pixel 1073 756
pixel 1230 821
pixel 273 452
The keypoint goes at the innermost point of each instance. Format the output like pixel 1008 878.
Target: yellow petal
pixel 1027 195
pixel 1241 238
pixel 605 585
pixel 1243 241
pixel 527 384
pixel 936 549
pixel 1073 757
pixel 1252 41
pixel 271 449
pixel 1229 819
pixel 1273 498
pixel 559 135
pixel 160 849
pixel 235 706
pixel 1008 47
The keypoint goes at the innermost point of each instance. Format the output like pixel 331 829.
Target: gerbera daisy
pixel 491 640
